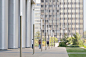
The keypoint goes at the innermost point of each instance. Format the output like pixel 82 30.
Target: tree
pixel 64 39
pixel 70 40
pixel 77 39
pixel 37 35
pixel 85 34
pixel 52 40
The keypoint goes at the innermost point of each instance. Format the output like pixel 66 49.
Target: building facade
pixel 60 17
pixel 37 17
pixel 10 12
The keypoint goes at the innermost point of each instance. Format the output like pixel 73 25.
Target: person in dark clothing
pixel 39 44
pixel 47 43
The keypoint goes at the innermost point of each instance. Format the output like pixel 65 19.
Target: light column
pixel 13 24
pixel 3 24
pixel 28 37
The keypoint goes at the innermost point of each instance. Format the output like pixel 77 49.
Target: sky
pixel 38 1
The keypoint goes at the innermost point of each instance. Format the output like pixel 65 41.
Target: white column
pixel 13 24
pixel 32 22
pixel 3 24
pixel 23 22
pixel 28 37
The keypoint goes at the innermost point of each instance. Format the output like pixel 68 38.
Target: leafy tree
pixel 85 34
pixel 37 35
pixel 51 40
pixel 70 40
pixel 77 37
pixel 64 39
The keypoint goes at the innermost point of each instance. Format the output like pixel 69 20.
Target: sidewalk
pixel 27 52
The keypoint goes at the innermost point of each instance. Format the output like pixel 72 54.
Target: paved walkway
pixel 27 52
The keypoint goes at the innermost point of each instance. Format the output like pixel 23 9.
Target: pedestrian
pixel 48 43
pixel 39 44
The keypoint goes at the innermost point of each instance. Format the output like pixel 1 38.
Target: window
pixel 49 15
pixel 57 10
pixel 42 0
pixel 38 4
pixel 45 15
pixel 50 5
pixel 57 0
pixel 41 5
pixel 53 0
pixel 46 0
pixel 50 0
pixel 42 11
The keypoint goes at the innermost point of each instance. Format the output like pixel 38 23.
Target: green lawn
pixel 76 49
pixel 77 55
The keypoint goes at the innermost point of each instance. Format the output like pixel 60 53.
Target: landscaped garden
pixel 75 45
pixel 76 52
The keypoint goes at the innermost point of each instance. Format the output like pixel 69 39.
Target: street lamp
pixel 41 34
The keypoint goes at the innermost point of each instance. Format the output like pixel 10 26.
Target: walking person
pixel 48 43
pixel 39 44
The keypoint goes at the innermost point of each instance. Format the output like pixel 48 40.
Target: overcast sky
pixel 38 1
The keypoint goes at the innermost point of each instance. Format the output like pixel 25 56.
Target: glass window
pixel 69 5
pixel 73 0
pixel 46 0
pixel 42 5
pixel 73 10
pixel 50 5
pixel 69 0
pixel 77 5
pixel 42 0
pixel 77 0
pixel 38 4
pixel 57 0
pixel 42 11
pixel 50 0
pixel 57 10
pixel 53 0
pixel 61 0
pixel 69 10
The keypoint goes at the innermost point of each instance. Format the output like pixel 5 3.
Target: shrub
pixel 84 46
pixel 51 41
pixel 77 39
pixel 81 44
pixel 36 42
pixel 70 40
pixel 62 44
pixel 43 43
pixel 73 46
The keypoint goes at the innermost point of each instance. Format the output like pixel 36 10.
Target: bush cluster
pixel 62 44
pixel 73 41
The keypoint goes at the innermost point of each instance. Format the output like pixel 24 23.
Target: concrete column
pixel 3 24
pixel 32 22
pixel 13 24
pixel 28 37
pixel 23 22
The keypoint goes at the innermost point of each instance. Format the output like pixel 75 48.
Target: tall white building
pixel 37 16
pixel 62 17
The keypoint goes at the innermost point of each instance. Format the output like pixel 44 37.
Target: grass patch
pixel 75 49
pixel 77 55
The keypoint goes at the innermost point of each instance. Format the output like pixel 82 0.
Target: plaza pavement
pixel 28 52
